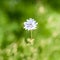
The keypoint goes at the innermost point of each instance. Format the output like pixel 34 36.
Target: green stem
pixel 31 34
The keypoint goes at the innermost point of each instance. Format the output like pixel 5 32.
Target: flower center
pixel 29 25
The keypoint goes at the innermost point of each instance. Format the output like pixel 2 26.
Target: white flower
pixel 30 24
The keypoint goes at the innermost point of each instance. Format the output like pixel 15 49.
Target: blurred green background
pixel 14 40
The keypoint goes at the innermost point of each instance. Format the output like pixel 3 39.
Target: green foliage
pixel 15 43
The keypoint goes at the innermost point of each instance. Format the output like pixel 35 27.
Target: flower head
pixel 30 24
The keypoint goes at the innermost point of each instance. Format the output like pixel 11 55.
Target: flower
pixel 30 24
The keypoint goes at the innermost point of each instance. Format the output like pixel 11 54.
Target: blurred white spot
pixel 41 9
pixel 50 18
pixel 55 33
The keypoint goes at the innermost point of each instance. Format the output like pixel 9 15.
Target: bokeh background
pixel 14 39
